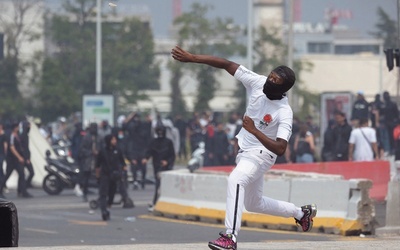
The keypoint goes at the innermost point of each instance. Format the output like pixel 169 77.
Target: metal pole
pixel 249 40
pixel 290 48
pixel 98 48
pixel 250 34
pixel 398 46
pixel 380 67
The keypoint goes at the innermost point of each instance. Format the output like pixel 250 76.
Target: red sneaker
pixel 306 222
pixel 226 241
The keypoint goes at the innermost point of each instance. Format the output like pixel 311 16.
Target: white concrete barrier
pixel 344 206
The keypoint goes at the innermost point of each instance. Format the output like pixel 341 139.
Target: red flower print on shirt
pixel 267 118
pixel 265 121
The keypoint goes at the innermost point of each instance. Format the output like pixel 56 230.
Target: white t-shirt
pixel 362 147
pixel 277 112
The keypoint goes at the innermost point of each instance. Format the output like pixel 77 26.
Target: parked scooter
pixel 61 148
pixel 197 160
pixel 61 174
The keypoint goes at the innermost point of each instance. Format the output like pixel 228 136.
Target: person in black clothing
pixel 161 150
pixel 304 145
pixel 195 132
pixel 88 151
pixel 342 131
pixel 121 140
pixel 376 110
pixel 119 133
pixel 76 140
pixel 219 145
pixel 208 145
pixel 109 166
pixel 327 153
pixel 360 109
pixel 26 127
pixel 139 135
pixel 3 153
pixel 181 125
pixel 390 115
pixel 15 161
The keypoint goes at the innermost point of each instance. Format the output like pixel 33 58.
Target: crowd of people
pixel 111 150
pixel 373 132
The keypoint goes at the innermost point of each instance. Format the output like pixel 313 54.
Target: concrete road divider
pixel 344 206
pixel 376 171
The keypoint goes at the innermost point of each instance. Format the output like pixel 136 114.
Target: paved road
pixel 65 222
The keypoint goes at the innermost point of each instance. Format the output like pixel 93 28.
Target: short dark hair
pixel 14 125
pixel 363 120
pixel 338 112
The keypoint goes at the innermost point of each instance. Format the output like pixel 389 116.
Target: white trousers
pixel 245 189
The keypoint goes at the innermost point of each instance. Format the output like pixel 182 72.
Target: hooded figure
pixel 161 149
pixel 274 88
pixel 110 164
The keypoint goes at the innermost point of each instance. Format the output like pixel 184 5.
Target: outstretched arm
pixel 217 62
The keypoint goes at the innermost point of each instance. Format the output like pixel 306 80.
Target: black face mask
pixel 277 91
pixel 273 91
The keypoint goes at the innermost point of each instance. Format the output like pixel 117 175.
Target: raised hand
pixel 181 55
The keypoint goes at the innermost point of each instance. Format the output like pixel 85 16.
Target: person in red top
pixel 396 139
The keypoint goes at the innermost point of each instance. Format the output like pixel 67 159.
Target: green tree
pixel 386 29
pixel 12 68
pixel 205 36
pixel 178 105
pixel 69 72
pixel 10 97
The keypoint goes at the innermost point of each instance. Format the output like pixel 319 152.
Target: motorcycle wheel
pixel 52 185
pixel 93 204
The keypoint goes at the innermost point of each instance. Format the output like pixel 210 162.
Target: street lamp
pixel 98 48
pixel 290 49
pixel 250 34
pixel 250 17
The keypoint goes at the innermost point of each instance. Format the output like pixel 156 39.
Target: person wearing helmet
pixel 161 150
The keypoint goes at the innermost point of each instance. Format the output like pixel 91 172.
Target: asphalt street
pixel 66 222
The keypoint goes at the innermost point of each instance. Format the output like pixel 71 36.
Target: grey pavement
pixel 34 208
pixel 388 242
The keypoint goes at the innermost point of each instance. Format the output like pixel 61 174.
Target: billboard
pixel 331 101
pixel 96 108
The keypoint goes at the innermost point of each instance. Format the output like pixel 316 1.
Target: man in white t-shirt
pixel 267 127
pixel 362 143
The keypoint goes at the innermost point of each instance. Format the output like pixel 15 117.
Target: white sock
pixel 299 214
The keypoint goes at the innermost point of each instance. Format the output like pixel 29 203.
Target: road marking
pixel 88 223
pixel 336 237
pixel 40 230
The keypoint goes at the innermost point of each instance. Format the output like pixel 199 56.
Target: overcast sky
pixel 364 12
